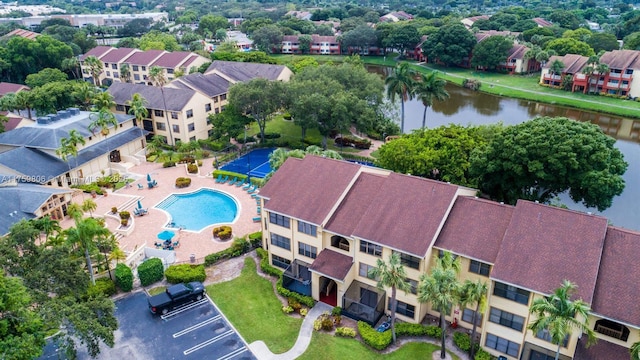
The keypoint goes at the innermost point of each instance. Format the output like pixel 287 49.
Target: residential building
pixel 82 20
pixel 22 33
pixel 7 87
pixel 396 16
pixel 180 110
pixel 542 22
pixel 139 63
pixel 302 15
pixel 468 22
pixel 320 45
pixel 362 214
pixel 238 38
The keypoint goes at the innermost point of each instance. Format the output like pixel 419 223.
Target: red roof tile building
pixel 327 222
pixel 320 45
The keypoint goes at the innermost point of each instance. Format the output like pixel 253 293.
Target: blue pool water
pixel 197 210
pixel 255 162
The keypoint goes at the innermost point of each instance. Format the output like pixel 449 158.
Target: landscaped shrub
pixel 287 309
pixel 462 341
pixel 150 271
pixel 434 331
pixel 88 188
pixel 346 332
pixel 167 164
pixel 264 263
pixel 222 232
pixel 192 168
pixel 407 329
pixel 124 277
pixel 471 84
pixel 183 182
pixel 305 300
pixel 255 239
pixel 185 273
pixel 103 286
pixel 483 355
pixel 240 246
pixel 125 215
pixel 373 338
pixel 114 210
pixel 294 303
pixel 336 311
pixel 304 312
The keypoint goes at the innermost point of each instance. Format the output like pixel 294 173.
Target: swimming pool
pixel 255 162
pixel 197 210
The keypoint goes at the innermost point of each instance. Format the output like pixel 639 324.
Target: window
pixel 161 126
pixel 175 128
pixel 174 115
pixel 279 220
pixel 280 261
pixel 410 261
pixel 467 315
pixel 340 243
pixel 108 73
pixel 511 293
pixel 612 329
pixel 479 268
pixel 404 308
pixel 507 319
pixel 169 71
pixel 363 270
pixel 307 228
pixel 136 77
pixel 119 107
pixel 215 99
pixel 223 97
pixel 413 286
pixel 217 111
pixel 116 75
pixel 158 113
pixel 222 108
pixel 144 68
pixel 307 250
pixel 207 107
pixel 191 127
pixel 371 249
pixel 114 66
pixel 135 67
pixel 545 335
pixel 503 345
pixel 177 140
pixel 193 138
pixel 280 241
pixel 189 114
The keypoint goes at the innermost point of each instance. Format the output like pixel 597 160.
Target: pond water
pixel 469 107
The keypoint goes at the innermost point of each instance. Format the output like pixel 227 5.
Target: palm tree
pixel 125 73
pixel 137 108
pixel 47 225
pixel 69 146
pixel 557 315
pixel 634 350
pixel 95 68
pixel 103 101
pixel 556 67
pixel 430 88
pixel 24 100
pixel 71 64
pixel 154 147
pixel 391 274
pixel 440 287
pixel 90 206
pixel 474 293
pixel 84 93
pixel 400 83
pixel 156 75
pixel 103 120
pixel 84 236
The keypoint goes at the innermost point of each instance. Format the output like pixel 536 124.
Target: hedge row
pixel 240 246
pixel 407 329
pixel 305 300
pixel 185 273
pixel 463 342
pixel 124 277
pixel 373 338
pixel 150 271
pixel 353 141
pixel 264 263
pixel 103 286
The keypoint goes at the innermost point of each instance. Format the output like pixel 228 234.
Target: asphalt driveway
pixel 198 331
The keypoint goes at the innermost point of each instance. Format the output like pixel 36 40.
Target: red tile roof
pixel 545 245
pixel 475 228
pixel 621 59
pixel 117 55
pixel 573 63
pixel 22 33
pixel 602 350
pixel 97 51
pixel 190 61
pixel 332 264
pixel 308 188
pixel 171 59
pixel 12 121
pixel 144 58
pixel 6 87
pixel 517 51
pixel 618 285
pixel 405 213
pixel 542 22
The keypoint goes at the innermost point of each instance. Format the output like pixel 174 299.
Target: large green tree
pixel 45 76
pixel 561 316
pixel 491 52
pixel 210 23
pixel 544 157
pixel 565 46
pixel 450 44
pixel 440 287
pixel 268 38
pixel 258 98
pixel 391 274
pixel 158 40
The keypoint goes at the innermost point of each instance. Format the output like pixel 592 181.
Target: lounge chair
pixel 233 182
pixel 219 178
pixel 254 189
pixel 140 212
pixel 257 219
pixel 250 188
pixel 224 180
pixel 140 186
pixel 255 196
pixel 247 185
pixel 176 244
pixel 243 182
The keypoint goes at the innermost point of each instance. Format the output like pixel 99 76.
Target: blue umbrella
pixel 139 205
pixel 149 177
pixel 166 235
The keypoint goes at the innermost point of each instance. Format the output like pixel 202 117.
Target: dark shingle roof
pixel 117 55
pixel 621 59
pixel 475 228
pixel 97 51
pixel 175 99
pixel 243 71
pixel 332 264
pixel 6 87
pixel 602 350
pixel 172 59
pixel 25 200
pixel 545 245
pixel 308 188
pixel 145 58
pixel 209 85
pixel 573 63
pixel 619 262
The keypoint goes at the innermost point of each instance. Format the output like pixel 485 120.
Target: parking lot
pixel 196 331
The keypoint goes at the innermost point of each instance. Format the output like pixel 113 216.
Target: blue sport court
pixel 255 163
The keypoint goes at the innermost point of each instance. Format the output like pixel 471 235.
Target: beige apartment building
pixel 326 222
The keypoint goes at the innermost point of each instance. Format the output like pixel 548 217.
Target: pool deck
pixel 148 226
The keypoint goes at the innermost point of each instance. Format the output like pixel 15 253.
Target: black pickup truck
pixel 174 296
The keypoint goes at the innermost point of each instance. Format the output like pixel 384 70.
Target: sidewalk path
pixel 262 352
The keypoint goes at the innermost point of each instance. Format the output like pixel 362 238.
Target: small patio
pixel 146 228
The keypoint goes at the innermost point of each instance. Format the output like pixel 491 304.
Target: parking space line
pixel 197 326
pixel 183 309
pixel 207 343
pixel 234 353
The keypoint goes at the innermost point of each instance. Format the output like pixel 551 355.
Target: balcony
pixel 613 85
pixel 297 278
pixel 627 76
pixel 363 302
pixel 552 77
pixel 615 75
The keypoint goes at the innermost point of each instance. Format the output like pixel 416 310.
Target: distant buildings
pixel 320 45
pixel 82 20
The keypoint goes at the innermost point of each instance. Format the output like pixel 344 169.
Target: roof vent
pixel 63 114
pixel 73 111
pixel 43 120
pixel 589 212
pixel 53 117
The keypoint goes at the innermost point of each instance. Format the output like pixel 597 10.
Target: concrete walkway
pixel 262 352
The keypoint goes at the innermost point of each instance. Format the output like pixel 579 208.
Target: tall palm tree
pixel 634 351
pixel 89 206
pixel 474 293
pixel 392 275
pixel 138 108
pixel 556 67
pixel 24 100
pixel 559 315
pixel 47 225
pixel 156 75
pixel 95 68
pixel 71 65
pixel 430 88
pixel 84 93
pixel 102 120
pixel 69 146
pixel 401 83
pixel 103 100
pixel 84 236
pixel 440 287
pixel 125 73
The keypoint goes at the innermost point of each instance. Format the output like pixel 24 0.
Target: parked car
pixel 175 296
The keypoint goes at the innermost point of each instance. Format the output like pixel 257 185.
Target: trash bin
pixel 192 259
